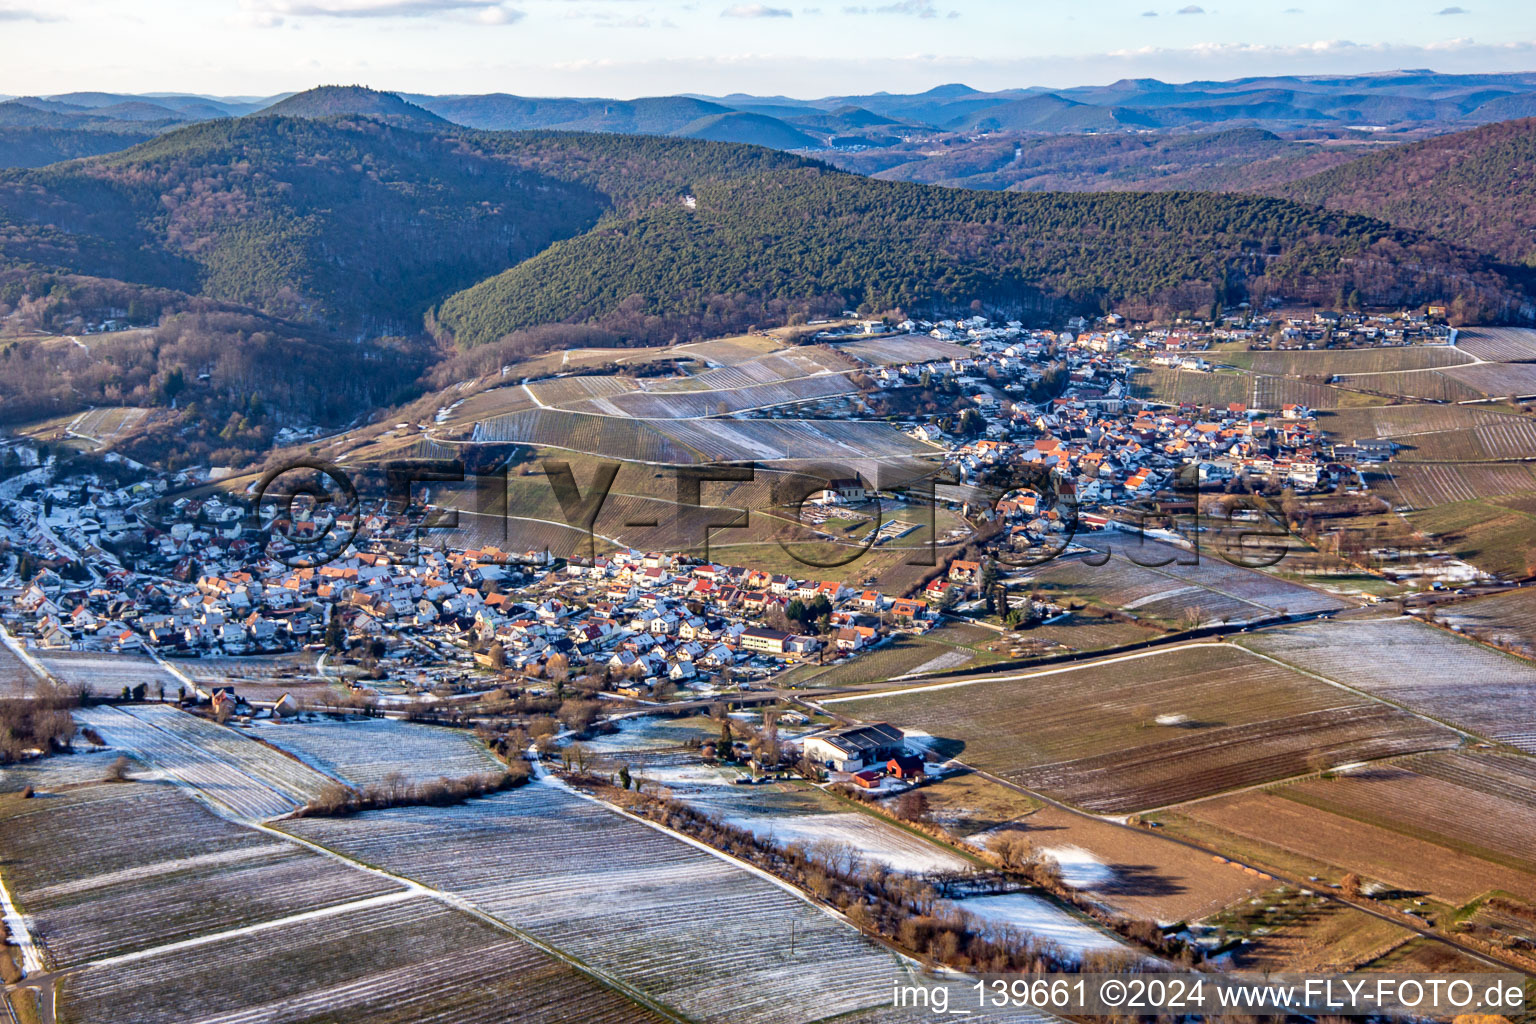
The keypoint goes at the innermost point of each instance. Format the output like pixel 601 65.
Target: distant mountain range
pixel 1396 105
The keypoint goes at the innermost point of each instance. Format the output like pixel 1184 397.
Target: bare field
pixel 1144 876
pixel 1420 667
pixel 1345 844
pixel 1478 805
pixel 1090 735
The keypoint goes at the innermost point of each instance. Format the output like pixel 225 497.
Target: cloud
pixel 1149 14
pixel 1192 9
pixel 1293 10
pixel 24 14
pixel 1453 10
pixel 756 11
pixel 915 8
pixel 266 13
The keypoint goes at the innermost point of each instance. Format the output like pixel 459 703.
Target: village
pixel 1040 431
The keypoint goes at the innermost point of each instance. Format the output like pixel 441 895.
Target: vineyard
pixel 360 752
pixel 1498 344
pixel 715 938
pixel 1429 385
pixel 403 962
pixel 774 368
pixel 1425 485
pixel 1506 438
pixel 117 867
pixel 1476 804
pixel 1508 619
pixel 107 673
pixel 1419 667
pixel 1148 730
pixel 105 425
pixel 597 435
pixel 1399 420
pixel 1328 362
pixel 906 349
pixel 238 774
pixel 726 440
pixel 1212 591
pixel 1257 391
pixel 1497 380
pixel 1332 843
pixel 690 404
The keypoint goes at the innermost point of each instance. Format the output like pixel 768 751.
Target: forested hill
pixel 349 223
pixel 364 226
pixel 810 239
pixel 1477 187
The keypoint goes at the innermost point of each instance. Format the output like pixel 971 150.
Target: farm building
pixel 851 748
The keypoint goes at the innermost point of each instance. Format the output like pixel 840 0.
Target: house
pixel 867 779
pixel 853 747
pixel 849 489
pixel 906 766
pixel 962 571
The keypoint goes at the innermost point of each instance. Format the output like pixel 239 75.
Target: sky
pixel 800 48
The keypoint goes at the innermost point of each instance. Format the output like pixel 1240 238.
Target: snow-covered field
pixel 875 840
pixel 365 750
pixel 1029 913
pixel 693 930
pixel 1079 868
pixel 235 772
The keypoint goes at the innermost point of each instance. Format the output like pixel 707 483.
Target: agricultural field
pixel 1427 670
pixel 599 887
pixel 729 351
pixel 1497 380
pixel 597 435
pixel 1426 385
pixel 1498 344
pixel 1210 591
pixel 107 674
pixel 114 867
pixel 1153 729
pixel 366 750
pixel 1135 871
pixel 1399 421
pixel 233 772
pixel 16 677
pixel 1257 391
pixel 1329 362
pixel 1507 619
pixel 395 963
pixel 1290 930
pixel 1494 535
pixel 1426 485
pixel 103 426
pixel 1505 438
pixel 1271 830
pixel 904 349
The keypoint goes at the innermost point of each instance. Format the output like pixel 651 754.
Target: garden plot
pixel 365 751
pixel 1498 344
pixel 713 938
pixel 107 674
pixel 1146 730
pixel 407 962
pixel 118 867
pixel 240 775
pixel 1422 668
